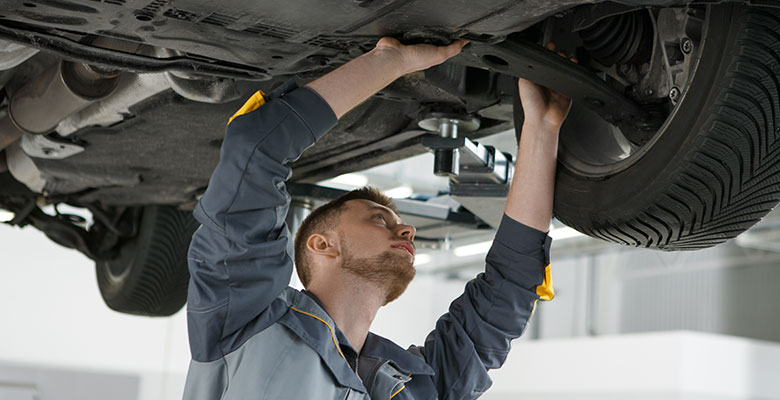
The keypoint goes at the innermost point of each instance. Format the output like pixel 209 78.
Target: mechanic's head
pixel 358 235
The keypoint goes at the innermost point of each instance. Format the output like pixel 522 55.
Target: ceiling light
pixel 355 180
pixel 400 192
pixel 564 233
pixel 472 249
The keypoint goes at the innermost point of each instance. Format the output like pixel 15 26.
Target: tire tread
pixel 157 284
pixel 730 181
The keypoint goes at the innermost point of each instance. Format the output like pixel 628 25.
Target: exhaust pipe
pixel 54 94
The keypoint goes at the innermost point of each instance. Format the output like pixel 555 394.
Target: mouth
pixel 405 246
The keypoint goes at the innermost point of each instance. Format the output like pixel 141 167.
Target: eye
pixel 382 217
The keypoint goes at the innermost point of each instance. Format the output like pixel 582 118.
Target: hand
pixel 418 57
pixel 543 106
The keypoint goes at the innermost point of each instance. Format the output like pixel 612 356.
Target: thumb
pixel 452 49
pixel 457 46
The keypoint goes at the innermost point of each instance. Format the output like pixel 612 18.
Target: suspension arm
pixel 537 64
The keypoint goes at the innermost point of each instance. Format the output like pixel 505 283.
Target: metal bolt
pixel 649 92
pixel 449 129
pixel 674 94
pixel 686 46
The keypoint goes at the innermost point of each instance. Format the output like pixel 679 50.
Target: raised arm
pixel 531 200
pixel 238 258
pixel 476 334
pixel 359 79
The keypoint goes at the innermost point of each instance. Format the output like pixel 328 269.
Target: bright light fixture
pixel 420 259
pixel 400 192
pixel 564 233
pixel 472 249
pixel 356 180
pixel 6 216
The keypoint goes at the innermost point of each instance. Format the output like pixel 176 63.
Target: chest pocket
pixel 388 383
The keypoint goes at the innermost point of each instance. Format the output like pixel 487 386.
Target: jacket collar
pixel 378 347
pixel 309 321
pixel 340 336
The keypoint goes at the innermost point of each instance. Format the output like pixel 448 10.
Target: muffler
pixel 54 94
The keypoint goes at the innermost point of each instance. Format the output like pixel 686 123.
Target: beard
pixel 390 270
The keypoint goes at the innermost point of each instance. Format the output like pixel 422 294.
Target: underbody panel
pixel 284 37
pixel 165 147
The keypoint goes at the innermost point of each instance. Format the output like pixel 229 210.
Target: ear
pixel 323 245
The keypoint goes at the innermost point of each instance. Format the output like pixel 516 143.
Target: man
pixel 252 336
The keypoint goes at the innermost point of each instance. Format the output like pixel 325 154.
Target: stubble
pixel 391 270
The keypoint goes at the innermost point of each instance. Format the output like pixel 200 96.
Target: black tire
pixel 149 276
pixel 713 173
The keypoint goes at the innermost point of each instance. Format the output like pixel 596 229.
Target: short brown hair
pixel 324 217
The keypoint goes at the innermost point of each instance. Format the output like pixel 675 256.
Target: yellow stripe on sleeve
pixel 254 102
pixel 545 290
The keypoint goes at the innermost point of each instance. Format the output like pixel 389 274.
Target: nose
pixel 407 232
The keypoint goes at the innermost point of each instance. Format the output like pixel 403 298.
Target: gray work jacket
pixel 253 337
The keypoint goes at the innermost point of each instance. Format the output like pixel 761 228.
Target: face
pixel 377 246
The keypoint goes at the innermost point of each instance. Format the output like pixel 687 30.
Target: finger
pixel 550 46
pixel 530 92
pixel 574 60
pixel 454 48
pixel 521 83
pixel 387 42
pixel 458 44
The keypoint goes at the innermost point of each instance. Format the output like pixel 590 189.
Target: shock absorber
pixel 460 159
pixel 446 148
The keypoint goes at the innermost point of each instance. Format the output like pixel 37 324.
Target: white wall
pixel 53 315
pixel 659 366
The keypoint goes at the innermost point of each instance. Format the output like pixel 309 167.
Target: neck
pixel 353 304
